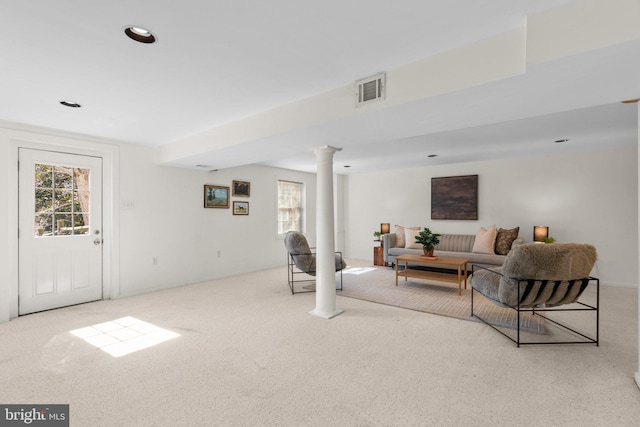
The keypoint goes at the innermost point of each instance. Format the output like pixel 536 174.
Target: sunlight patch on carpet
pixel 358 270
pixel 123 336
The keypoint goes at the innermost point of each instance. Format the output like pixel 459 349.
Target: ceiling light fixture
pixel 70 104
pixel 140 34
pixel 347 166
pixel 560 141
pixel 631 101
pixel 432 155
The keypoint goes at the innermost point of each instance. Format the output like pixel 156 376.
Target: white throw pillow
pixel 410 238
pixel 400 241
pixel 485 241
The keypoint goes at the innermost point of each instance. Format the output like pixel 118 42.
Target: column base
pixel 326 314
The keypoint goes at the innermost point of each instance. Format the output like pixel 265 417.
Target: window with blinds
pixel 290 206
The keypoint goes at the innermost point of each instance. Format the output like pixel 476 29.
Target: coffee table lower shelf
pixel 459 278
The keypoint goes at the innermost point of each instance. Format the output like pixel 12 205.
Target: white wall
pixel 584 197
pixel 167 221
pixel 587 197
pixel 170 223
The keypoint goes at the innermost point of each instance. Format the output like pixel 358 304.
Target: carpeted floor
pixel 377 284
pixel 249 354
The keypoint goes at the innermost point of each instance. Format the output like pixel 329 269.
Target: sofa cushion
pixel 490 260
pixel 400 240
pixel 485 241
pixel 410 238
pixel 480 259
pixel 401 251
pixel 504 240
pixel 485 259
pixel 450 246
pixel 456 242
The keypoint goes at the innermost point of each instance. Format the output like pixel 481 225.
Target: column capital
pixel 325 149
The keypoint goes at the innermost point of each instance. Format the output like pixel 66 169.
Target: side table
pixel 378 254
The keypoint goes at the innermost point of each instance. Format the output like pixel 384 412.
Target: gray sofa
pixel 451 246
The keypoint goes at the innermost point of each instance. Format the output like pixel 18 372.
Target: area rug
pixel 377 284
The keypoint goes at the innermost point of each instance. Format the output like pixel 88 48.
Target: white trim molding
pixel 17 138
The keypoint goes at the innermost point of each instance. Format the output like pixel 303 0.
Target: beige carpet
pixel 249 354
pixel 377 284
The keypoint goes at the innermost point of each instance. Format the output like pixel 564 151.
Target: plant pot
pixel 427 252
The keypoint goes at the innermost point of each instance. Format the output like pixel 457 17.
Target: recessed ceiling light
pixel 432 155
pixel 70 104
pixel 560 141
pixel 140 31
pixel 140 34
pixel 347 166
pixel 631 101
pixel 204 166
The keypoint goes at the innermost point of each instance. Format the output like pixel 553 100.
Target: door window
pixel 61 200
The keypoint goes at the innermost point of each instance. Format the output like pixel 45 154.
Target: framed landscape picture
pixel 241 188
pixel 454 197
pixel 216 196
pixel 240 208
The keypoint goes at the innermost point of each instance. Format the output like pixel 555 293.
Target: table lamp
pixel 540 232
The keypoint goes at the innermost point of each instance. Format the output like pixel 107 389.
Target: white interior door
pixel 60 230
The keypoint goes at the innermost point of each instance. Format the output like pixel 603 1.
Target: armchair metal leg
pixel 292 271
pixel 536 312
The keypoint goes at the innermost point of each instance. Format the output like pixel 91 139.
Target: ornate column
pixel 325 241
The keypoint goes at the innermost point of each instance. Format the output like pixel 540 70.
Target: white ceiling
pixel 217 62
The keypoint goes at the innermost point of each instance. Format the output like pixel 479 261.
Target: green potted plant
pixel 428 240
pixel 549 239
pixel 377 235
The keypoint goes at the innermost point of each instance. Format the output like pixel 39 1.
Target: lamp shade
pixel 540 232
pixel 384 228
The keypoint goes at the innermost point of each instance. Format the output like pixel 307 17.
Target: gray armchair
pixel 301 260
pixel 538 278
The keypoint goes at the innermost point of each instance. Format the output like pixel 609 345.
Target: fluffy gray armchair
pixel 537 277
pixel 302 259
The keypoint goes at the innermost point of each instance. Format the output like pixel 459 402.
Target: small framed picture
pixel 241 188
pixel 216 196
pixel 240 208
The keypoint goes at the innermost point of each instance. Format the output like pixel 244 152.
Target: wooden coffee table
pixel 461 264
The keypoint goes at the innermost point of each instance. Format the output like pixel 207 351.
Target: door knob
pixel 97 241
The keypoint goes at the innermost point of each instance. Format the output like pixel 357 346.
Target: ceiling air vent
pixel 370 90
